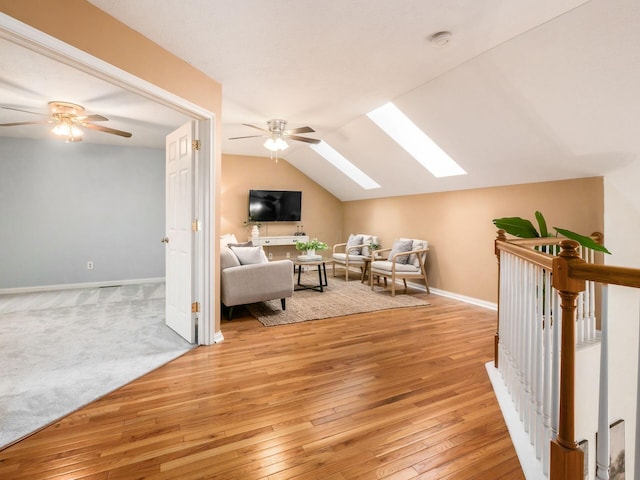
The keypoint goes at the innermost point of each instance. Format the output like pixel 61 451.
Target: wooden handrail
pixel 541 241
pixel 543 260
pixel 627 277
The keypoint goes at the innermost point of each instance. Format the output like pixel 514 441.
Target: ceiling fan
pixel 67 118
pixel 277 134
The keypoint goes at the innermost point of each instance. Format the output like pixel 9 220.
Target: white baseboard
pixel 218 337
pixel 71 286
pixel 531 466
pixel 465 299
pixel 455 296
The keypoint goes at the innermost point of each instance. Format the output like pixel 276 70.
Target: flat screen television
pixel 275 206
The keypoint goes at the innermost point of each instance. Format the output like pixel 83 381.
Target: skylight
pixel 417 143
pixel 344 165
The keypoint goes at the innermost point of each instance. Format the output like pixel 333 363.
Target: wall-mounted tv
pixel 275 205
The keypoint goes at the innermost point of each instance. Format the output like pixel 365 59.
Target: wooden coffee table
pixel 321 263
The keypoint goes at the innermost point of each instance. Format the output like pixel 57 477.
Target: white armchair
pixel 407 259
pixel 353 252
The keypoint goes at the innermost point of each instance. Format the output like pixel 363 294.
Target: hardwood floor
pixel 399 394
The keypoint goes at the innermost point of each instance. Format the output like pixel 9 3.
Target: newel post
pixel 502 237
pixel 566 458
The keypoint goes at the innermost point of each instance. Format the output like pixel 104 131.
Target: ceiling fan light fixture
pixel 68 131
pixel 276 144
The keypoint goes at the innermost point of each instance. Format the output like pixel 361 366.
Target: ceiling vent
pixel 440 39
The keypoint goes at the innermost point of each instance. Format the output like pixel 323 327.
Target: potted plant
pixel 311 246
pixel 523 228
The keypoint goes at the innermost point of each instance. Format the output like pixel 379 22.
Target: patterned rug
pixel 338 299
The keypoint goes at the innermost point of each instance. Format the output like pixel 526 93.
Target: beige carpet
pixel 339 298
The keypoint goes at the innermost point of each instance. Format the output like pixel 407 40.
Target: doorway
pixel 208 325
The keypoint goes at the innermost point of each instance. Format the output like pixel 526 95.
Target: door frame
pixel 208 330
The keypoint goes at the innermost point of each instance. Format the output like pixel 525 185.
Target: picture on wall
pixel 616 449
pixel 617 466
pixel 584 446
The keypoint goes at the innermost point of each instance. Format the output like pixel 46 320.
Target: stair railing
pixel 539 283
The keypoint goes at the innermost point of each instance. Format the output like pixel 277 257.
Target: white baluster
pixel 505 319
pixel 555 384
pixel 527 351
pixel 548 354
pixel 580 333
pixel 539 360
pixel 522 344
pixel 602 453
pixel 636 474
pixel 592 300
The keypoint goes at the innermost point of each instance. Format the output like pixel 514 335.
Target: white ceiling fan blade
pixel 299 130
pixel 15 124
pixel 113 131
pixel 304 139
pixel 25 111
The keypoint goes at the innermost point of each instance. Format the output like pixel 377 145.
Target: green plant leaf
pixel 542 223
pixel 516 226
pixel 582 240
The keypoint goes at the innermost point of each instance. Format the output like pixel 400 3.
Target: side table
pixel 321 263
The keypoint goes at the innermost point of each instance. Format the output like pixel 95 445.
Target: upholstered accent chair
pixel 247 276
pixel 353 252
pixel 407 259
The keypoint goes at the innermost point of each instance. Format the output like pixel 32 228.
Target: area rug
pixel 62 350
pixel 339 298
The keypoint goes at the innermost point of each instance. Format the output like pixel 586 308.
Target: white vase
pixel 311 253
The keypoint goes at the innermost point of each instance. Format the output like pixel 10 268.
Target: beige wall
pixel 321 211
pixel 459 229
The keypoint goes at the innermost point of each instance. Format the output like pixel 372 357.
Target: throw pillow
pixel 400 246
pixel 414 259
pixel 352 242
pixel 249 255
pixel 227 238
pixel 366 240
pixel 228 258
pixel 245 244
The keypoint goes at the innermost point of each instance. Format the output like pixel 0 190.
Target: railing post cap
pixel 569 249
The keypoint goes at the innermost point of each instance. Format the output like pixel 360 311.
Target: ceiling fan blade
pixel 257 128
pixel 300 130
pixel 25 111
pixel 15 124
pixel 100 128
pixel 303 139
pixel 93 118
pixel 250 136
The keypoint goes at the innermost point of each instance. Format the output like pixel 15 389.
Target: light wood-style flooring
pixel 398 394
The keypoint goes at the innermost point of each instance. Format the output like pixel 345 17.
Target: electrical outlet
pixel 288 254
pixel 89 265
pixel 270 256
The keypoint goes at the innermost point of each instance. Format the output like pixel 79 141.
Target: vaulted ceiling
pixel 524 91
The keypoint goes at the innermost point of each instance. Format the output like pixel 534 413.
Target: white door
pixel 179 238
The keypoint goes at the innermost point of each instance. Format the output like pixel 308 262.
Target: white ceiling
pixel 525 91
pixel 30 80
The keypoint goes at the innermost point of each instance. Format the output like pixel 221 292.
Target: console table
pixel 278 241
